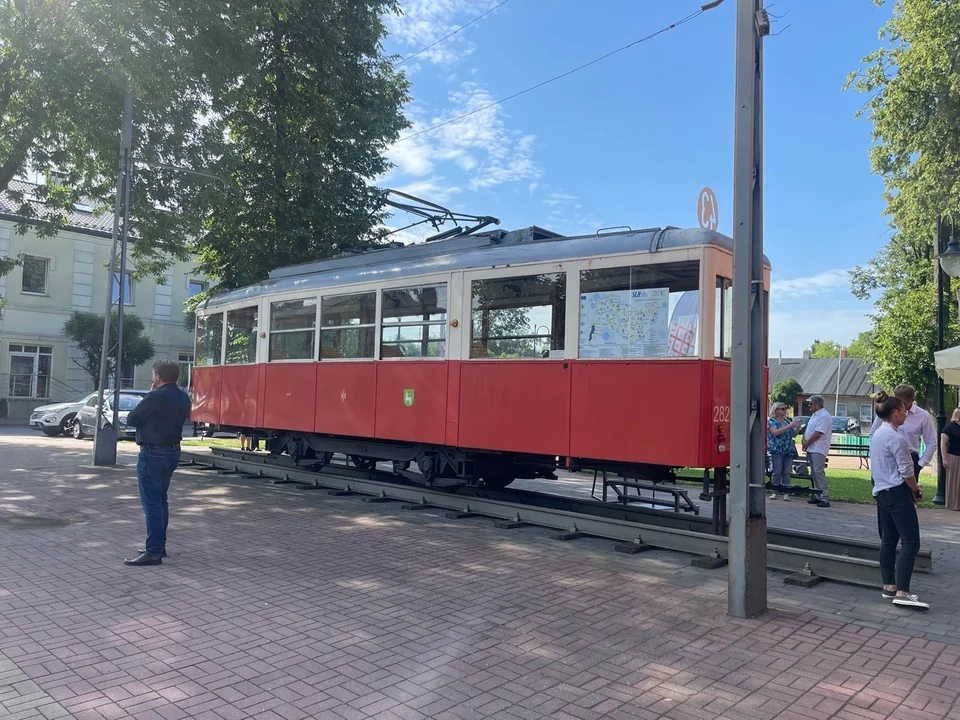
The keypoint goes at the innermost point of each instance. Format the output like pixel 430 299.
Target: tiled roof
pixel 76 218
pixel 818 376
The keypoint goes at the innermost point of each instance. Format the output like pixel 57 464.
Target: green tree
pixel 825 349
pixel 86 329
pixel 291 102
pixel 914 88
pixel 862 346
pixel 786 391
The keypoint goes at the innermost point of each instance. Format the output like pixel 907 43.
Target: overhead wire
pixel 651 36
pixel 450 35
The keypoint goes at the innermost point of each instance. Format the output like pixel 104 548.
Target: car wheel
pixel 66 425
pixel 78 429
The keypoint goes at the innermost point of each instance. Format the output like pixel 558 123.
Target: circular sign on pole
pixel 708 215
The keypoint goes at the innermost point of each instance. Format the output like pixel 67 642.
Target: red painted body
pixel 663 412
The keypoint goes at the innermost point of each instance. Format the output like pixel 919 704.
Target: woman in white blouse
pixel 896 489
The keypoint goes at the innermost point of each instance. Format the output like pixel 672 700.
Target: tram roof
pixel 483 250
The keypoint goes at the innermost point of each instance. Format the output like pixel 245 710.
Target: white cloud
pixel 423 22
pixel 435 189
pixel 481 145
pixel 785 290
pixel 559 198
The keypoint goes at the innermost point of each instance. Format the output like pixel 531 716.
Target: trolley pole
pixel 747 578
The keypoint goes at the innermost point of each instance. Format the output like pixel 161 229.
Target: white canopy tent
pixel 947 363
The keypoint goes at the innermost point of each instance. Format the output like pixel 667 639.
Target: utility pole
pixel 747 578
pixel 105 439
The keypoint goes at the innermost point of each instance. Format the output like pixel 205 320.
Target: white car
pixel 57 419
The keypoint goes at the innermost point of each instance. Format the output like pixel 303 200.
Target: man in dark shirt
pixel 159 420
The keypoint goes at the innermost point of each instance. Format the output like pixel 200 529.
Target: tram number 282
pixel 721 413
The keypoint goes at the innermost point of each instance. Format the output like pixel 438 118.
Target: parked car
pixel 846 426
pixel 57 419
pixel 85 421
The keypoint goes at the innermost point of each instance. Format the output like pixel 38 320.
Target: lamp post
pixel 948 252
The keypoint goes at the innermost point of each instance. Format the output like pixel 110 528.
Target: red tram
pixel 483 359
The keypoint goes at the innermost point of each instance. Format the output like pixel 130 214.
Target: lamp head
pixel 950 257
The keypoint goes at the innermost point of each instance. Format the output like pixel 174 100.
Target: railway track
pixel 635 528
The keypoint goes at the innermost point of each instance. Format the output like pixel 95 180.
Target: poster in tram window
pixel 624 323
pixel 684 314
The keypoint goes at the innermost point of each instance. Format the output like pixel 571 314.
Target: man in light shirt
pixel 918 426
pixel 816 444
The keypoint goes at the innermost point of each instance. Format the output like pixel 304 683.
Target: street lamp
pixel 948 251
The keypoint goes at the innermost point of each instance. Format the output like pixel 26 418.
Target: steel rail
pixel 839 566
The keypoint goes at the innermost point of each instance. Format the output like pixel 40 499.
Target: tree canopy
pixel 86 329
pixel 825 349
pixel 290 102
pixel 914 88
pixel 786 391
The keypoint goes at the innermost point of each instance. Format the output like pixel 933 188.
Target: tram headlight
pixel 721 440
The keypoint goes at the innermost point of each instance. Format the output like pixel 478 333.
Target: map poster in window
pixel 624 323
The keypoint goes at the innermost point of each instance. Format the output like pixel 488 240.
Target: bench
pixel 857 446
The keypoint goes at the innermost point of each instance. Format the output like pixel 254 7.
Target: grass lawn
pixel 845 485
pixel 207 442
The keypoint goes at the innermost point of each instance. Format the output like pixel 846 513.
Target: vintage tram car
pixel 483 359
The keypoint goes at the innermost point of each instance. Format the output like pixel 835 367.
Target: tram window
pixel 643 311
pixel 414 322
pixel 723 319
pixel 518 317
pixel 292 327
pixel 348 326
pixel 242 336
pixel 209 339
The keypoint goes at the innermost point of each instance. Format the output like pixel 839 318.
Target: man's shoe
pixel 163 553
pixel 823 503
pixel 144 559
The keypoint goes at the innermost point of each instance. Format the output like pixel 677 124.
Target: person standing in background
pixel 950 452
pixel 816 444
pixel 782 449
pixel 918 426
pixel 159 420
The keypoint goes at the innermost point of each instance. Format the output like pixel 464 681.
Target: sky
pixel 631 140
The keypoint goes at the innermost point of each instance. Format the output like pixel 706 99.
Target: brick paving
pixel 276 604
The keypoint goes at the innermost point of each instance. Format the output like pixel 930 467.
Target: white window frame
pixel 411 283
pixel 48 259
pixel 375 324
pixel 256 350
pixel 128 301
pixel 223 337
pixel 270 300
pixel 195 279
pixel 837 409
pixel 35 374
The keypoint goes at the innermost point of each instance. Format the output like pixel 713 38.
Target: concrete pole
pixel 747 578
pixel 105 439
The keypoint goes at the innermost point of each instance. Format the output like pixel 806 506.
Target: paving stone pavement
pixel 276 603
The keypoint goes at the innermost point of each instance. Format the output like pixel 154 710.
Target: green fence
pixel 852 444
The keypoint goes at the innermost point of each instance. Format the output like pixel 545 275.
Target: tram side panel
pixel 638 412
pixel 715 415
pixel 205 383
pixel 412 401
pixel 239 391
pixel 516 406
pixel 346 400
pixel 290 396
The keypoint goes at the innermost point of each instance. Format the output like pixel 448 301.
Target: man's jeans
pixel 155 467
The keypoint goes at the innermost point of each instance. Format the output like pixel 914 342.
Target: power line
pixel 462 27
pixel 651 36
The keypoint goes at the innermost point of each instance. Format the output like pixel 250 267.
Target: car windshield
pixel 127 402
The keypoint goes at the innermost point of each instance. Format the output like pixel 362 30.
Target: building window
pixel 209 339
pixel 841 410
pixel 866 414
pixel 518 317
pixel 34 280
pixel 348 326
pixel 241 336
pixel 127 288
pixel 293 326
pixel 643 311
pixel 185 360
pixel 195 287
pixel 414 322
pixel 30 367
pixel 723 319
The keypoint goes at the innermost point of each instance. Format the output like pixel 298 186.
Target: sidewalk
pixel 277 603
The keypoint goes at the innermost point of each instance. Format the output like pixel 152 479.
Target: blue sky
pixel 631 141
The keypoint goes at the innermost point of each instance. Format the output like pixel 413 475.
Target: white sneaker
pixel 911 601
pixel 786 498
pixel 772 497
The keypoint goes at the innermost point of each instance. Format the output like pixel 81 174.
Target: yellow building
pixel 63 274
